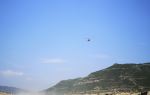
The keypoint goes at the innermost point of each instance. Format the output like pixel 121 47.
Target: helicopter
pixel 88 39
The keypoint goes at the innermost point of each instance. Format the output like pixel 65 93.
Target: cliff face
pixel 118 77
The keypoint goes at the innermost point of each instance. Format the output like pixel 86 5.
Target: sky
pixel 45 41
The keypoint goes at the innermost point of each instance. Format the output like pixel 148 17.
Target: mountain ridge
pixel 120 77
pixel 11 90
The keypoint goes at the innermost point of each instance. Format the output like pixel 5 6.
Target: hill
pixel 10 90
pixel 118 77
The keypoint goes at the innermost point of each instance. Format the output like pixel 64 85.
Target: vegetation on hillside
pixel 118 77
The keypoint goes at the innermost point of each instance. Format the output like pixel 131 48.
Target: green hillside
pixel 118 77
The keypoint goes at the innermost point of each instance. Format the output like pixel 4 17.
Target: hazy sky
pixel 45 41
